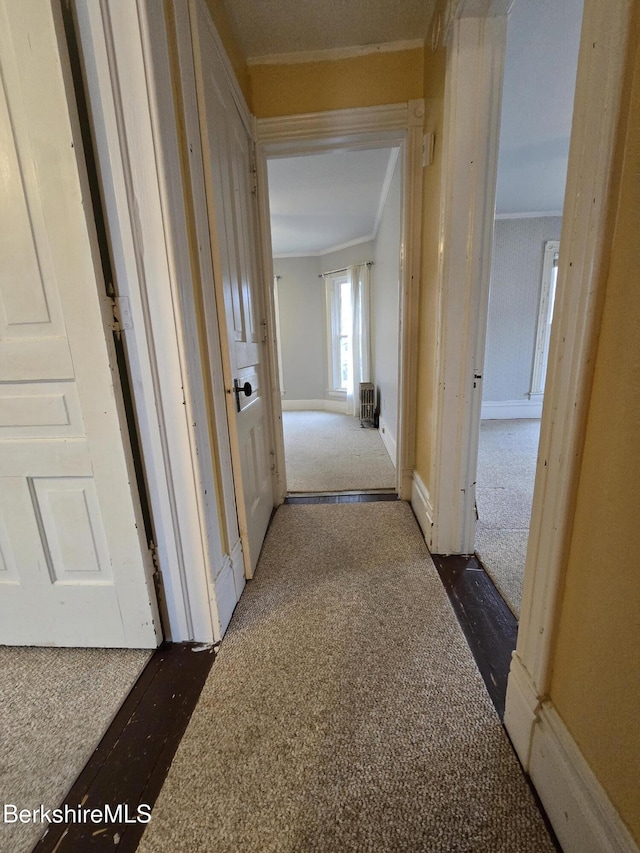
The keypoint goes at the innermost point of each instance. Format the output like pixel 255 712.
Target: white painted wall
pixel 303 338
pixel 385 294
pixel 514 298
pixel 302 328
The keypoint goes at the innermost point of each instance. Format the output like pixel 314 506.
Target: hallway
pixel 344 710
pixel 142 449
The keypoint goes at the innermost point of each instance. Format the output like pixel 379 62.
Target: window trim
pixel 543 333
pixel 332 293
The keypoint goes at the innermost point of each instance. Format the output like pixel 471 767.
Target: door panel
pixel 74 567
pixel 227 152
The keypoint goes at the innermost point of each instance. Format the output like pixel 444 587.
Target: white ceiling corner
pixel 384 192
pixel 264 28
pixel 324 202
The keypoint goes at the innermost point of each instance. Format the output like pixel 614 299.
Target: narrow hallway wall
pixel 597 663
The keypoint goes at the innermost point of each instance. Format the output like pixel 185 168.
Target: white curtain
pixel 359 362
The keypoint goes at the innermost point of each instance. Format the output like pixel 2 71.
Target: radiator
pixel 367 403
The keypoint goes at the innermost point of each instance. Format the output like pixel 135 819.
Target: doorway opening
pixel 532 164
pixel 336 227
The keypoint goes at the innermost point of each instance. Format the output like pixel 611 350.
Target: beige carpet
pixel 506 472
pixel 329 452
pixel 344 711
pixel 55 705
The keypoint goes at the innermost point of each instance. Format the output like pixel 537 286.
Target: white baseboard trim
pixel 314 405
pixel 388 440
pixel 521 709
pixel 421 505
pixel 225 593
pixel 580 812
pixel 503 409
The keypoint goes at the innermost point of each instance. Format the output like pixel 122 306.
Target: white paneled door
pixel 229 175
pixel 74 565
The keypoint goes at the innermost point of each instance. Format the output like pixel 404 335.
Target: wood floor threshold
pixel 340 497
pixel 490 627
pixel 131 761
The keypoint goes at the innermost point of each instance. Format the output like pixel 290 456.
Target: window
pixel 276 308
pixel 340 324
pixel 545 316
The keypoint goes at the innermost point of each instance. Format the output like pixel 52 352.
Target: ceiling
pixel 537 104
pixel 319 202
pixel 265 27
pixel 322 202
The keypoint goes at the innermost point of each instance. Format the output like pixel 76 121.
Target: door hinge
pixel 272 454
pixel 121 319
pixel 263 323
pixel 476 376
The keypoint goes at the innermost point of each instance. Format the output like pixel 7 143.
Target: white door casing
pixel 475 61
pixel 230 184
pixel 585 240
pixel 545 315
pixel 75 568
pixel 579 808
pixel 358 128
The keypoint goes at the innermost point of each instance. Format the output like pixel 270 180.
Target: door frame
pixel 592 180
pixel 586 230
pixel 128 72
pixel 359 128
pixel 474 34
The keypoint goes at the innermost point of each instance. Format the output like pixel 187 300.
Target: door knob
pixel 238 389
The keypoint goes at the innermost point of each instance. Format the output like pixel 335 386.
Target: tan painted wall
pixel 231 46
pixel 360 81
pixel 434 79
pixel 596 676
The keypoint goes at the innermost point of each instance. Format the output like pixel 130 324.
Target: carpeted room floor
pixel 330 452
pixel 344 711
pixel 55 705
pixel 507 456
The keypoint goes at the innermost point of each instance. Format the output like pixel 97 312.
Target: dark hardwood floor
pixel 131 762
pixel 490 627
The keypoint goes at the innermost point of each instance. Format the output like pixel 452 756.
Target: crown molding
pixel 369 238
pixel 448 11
